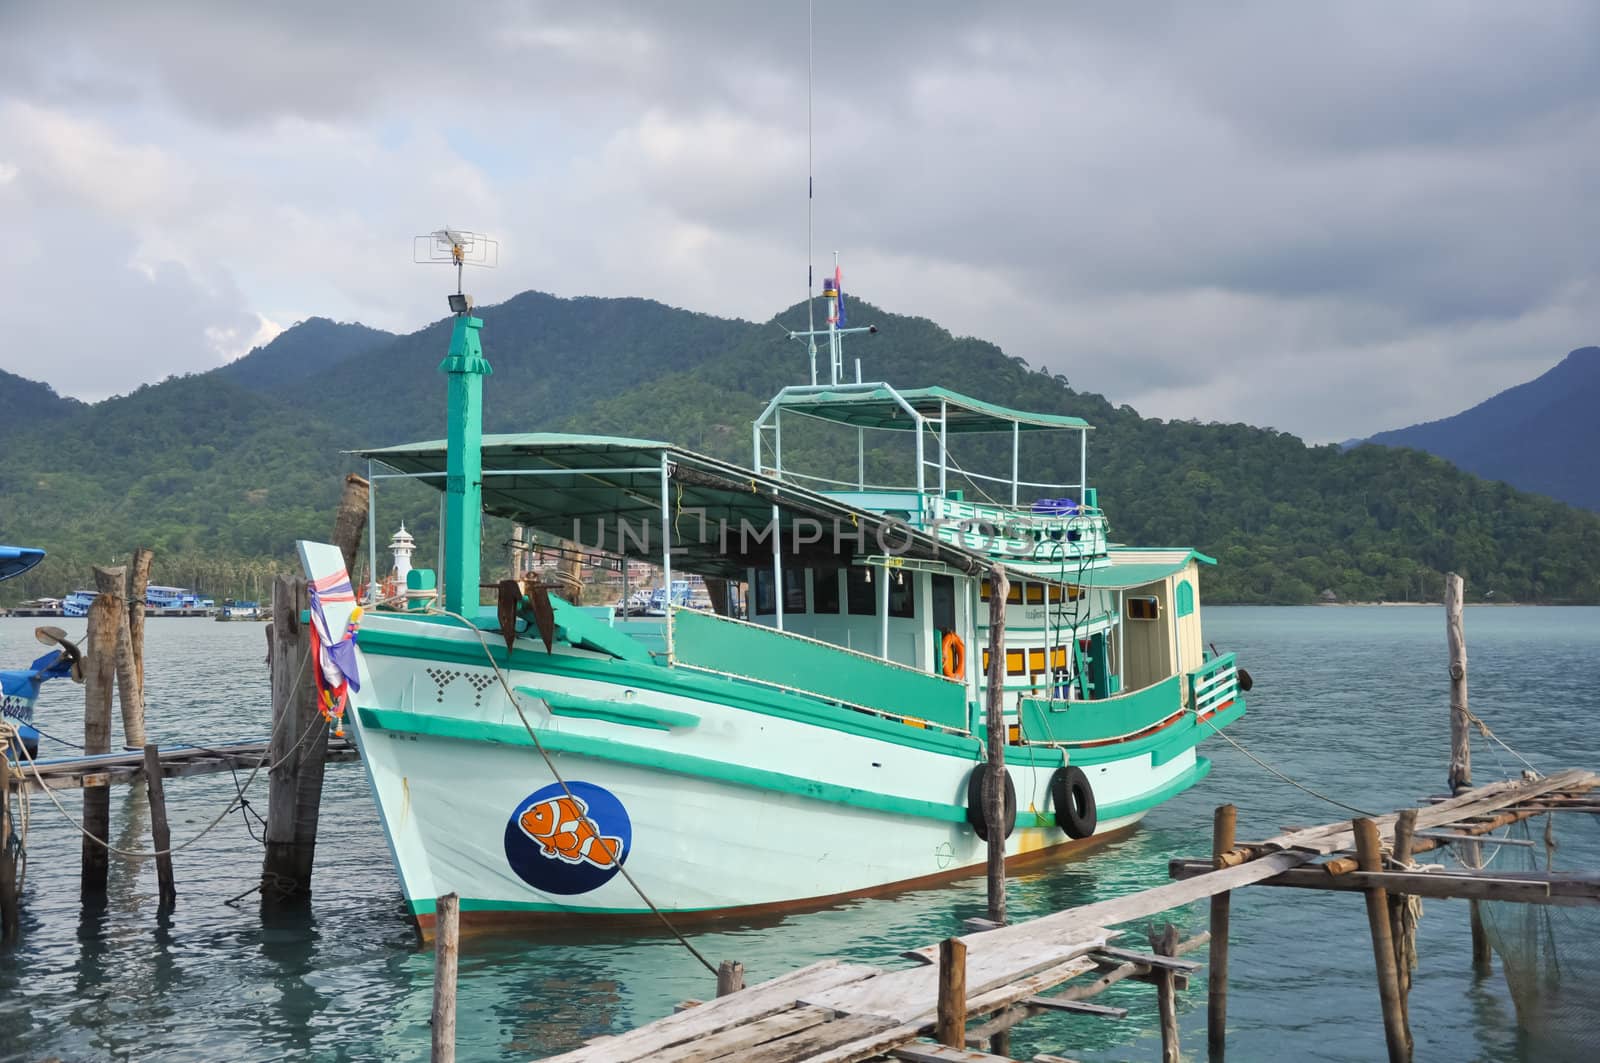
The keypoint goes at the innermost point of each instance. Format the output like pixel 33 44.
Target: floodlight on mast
pixel 459 248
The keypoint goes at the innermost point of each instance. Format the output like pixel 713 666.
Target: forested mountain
pixel 26 403
pixel 1540 436
pixel 221 477
pixel 307 348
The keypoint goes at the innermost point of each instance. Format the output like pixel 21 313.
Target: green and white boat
pixel 824 747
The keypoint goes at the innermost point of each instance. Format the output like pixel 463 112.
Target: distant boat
pixel 77 603
pixel 239 610
pixel 176 601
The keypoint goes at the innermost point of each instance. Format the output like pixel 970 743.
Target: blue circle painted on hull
pixel 568 844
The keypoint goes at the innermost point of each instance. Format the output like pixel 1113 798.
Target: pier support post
pixel 950 1029
pixel 10 909
pixel 138 585
pixel 100 676
pixel 1368 853
pixel 1165 943
pixel 1401 926
pixel 1223 823
pixel 730 977
pixel 114 581
pixel 1460 715
pixel 295 758
pixel 160 833
pixel 994 796
pixel 446 951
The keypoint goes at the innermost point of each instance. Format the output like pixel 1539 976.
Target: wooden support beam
pixel 730 977
pixel 1165 943
pixel 1562 889
pixel 1396 1036
pixel 446 950
pixel 160 834
pixel 995 720
pixel 951 1027
pixel 1460 745
pixel 10 907
pixel 293 755
pixel 1223 822
pixel 99 679
pixel 1402 928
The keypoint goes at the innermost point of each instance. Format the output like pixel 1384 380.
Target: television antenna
pixel 459 248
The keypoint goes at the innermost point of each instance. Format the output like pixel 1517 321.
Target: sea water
pixel 1350 701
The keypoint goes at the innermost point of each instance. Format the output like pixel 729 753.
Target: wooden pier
pixel 968 989
pixel 109 769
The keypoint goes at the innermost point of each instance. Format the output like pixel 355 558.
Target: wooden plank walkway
pixel 832 1012
pixel 72 773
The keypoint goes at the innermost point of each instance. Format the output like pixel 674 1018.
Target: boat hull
pixel 718 802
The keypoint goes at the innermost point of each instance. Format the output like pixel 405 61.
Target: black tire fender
pixel 1073 797
pixel 975 806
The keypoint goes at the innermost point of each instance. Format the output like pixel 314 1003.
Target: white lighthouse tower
pixel 401 546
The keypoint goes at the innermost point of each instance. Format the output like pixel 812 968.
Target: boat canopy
pixel 1123 568
pixel 628 496
pixel 879 406
pixel 15 560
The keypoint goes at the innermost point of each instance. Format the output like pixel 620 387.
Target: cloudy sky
pixel 1331 219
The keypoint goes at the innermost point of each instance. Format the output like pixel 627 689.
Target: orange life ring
pixel 953 655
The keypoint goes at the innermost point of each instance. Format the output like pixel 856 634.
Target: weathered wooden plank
pixel 714 1016
pixel 807 1043
pixel 1077 1007
pixel 931 1053
pixel 1149 959
pixel 1564 889
pixel 904 995
pixel 740 1039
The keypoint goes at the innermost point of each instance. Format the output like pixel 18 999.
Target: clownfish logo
pixel 570 839
pixel 563 829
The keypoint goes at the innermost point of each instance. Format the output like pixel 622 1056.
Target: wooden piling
pixel 160 834
pixel 994 795
pixel 1223 824
pixel 294 758
pixel 138 584
pixel 1460 715
pixel 1369 853
pixel 113 580
pixel 1471 854
pixel 1401 927
pixel 446 950
pixel 99 678
pixel 10 909
pixel 351 520
pixel 1165 943
pixel 950 1028
pixel 730 977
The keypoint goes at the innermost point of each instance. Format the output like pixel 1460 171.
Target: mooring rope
pixel 150 854
pixel 549 763
pixel 1474 718
pixel 1297 785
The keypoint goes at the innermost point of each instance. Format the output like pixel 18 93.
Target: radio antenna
pixel 811 76
pixel 459 248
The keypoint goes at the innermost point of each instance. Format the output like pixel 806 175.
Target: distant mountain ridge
pixel 221 471
pixel 1542 436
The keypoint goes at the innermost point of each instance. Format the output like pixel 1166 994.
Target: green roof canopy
pixel 879 406
pixel 1128 568
pixel 605 492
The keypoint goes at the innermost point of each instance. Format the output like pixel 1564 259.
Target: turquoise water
pixel 1352 700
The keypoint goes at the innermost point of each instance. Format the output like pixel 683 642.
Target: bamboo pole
pixel 446 951
pixel 1223 823
pixel 10 910
pixel 100 676
pixel 1460 747
pixel 1368 851
pixel 1165 943
pixel 994 795
pixel 160 834
pixel 951 1027
pixel 138 585
pixel 730 977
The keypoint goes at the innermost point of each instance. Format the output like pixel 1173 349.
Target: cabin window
pixel 1013 595
pixel 1185 598
pixel 794 590
pixel 1144 607
pixel 862 599
pixel 765 604
pixel 1035 594
pixel 825 590
pixel 944 603
pixel 903 596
